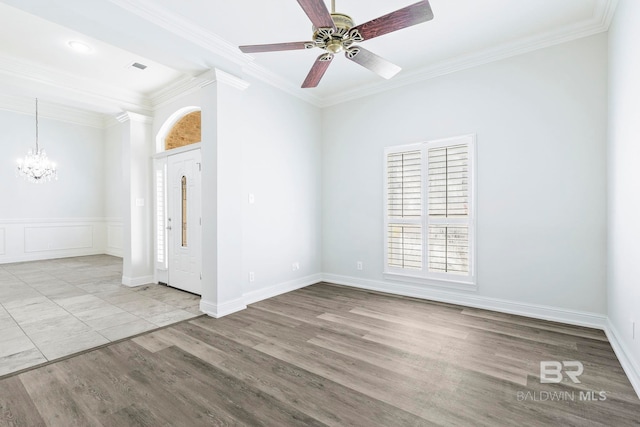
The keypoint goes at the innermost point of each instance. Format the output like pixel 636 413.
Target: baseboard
pixel 218 310
pixel 49 255
pixel 114 252
pixel 628 364
pixel 133 282
pixel 555 314
pixel 281 288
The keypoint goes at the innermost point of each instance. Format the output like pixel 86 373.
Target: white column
pixel 222 197
pixel 137 169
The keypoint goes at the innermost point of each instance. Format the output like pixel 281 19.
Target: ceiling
pixel 180 40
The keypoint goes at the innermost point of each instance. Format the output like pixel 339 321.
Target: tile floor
pixel 53 308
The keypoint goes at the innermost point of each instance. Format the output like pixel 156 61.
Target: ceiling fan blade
pixel 401 18
pixel 373 62
pixel 318 13
pixel 317 71
pixel 256 48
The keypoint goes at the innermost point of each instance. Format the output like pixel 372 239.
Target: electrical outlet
pixel 359 265
pixel 295 266
pixel 252 276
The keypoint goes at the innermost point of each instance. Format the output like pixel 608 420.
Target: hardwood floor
pixel 329 355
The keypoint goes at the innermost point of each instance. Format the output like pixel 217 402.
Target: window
pixel 429 212
pixel 161 214
pixel 183 199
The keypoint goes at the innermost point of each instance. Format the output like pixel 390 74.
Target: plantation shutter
pixel 448 214
pixel 161 214
pixel 429 227
pixel 404 210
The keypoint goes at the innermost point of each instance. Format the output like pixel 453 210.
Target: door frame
pixel 160 211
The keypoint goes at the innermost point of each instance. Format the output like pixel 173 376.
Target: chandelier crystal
pixel 36 167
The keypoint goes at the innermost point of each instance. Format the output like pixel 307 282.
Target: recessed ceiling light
pixel 79 47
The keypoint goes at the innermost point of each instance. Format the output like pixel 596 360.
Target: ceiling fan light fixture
pixel 335 32
pixel 334 46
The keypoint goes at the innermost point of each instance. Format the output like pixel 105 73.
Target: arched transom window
pixel 186 131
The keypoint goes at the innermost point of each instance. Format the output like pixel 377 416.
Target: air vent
pixel 138 65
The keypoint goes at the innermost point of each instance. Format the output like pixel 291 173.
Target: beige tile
pixel 66 323
pixel 94 288
pixel 22 360
pixel 16 345
pixel 17 295
pixel 170 317
pixel 72 344
pixel 81 303
pixel 145 306
pixel 67 301
pixel 61 291
pixel 112 320
pixel 128 329
pixel 38 298
pixel 36 312
pixel 194 310
pixel 10 330
pixel 97 313
pixel 120 297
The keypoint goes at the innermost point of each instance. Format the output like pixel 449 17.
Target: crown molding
pixel 82 87
pixel 212 42
pixel 182 27
pixel 600 21
pixel 93 91
pixel 180 88
pixel 230 79
pixel 53 111
pixel 190 84
pixel 129 116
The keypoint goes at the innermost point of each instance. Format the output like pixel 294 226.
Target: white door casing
pixel 184 221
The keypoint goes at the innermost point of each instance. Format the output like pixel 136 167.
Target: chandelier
pixel 36 167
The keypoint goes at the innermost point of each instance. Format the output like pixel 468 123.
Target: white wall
pixel 281 161
pixel 58 218
pixel 540 120
pixel 114 186
pixel 623 183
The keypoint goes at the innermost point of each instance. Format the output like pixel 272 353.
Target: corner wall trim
pixel 281 288
pixel 133 282
pixel 628 364
pixel 555 314
pixel 219 310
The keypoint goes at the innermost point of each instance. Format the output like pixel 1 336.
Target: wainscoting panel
pixel 114 238
pixel 36 239
pixel 58 237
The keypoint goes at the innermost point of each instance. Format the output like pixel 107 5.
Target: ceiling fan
pixel 336 32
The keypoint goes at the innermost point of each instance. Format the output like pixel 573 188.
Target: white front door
pixel 184 221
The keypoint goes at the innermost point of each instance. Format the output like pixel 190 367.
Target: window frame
pixel 423 276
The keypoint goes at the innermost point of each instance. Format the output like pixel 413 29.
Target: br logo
pixel 551 371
